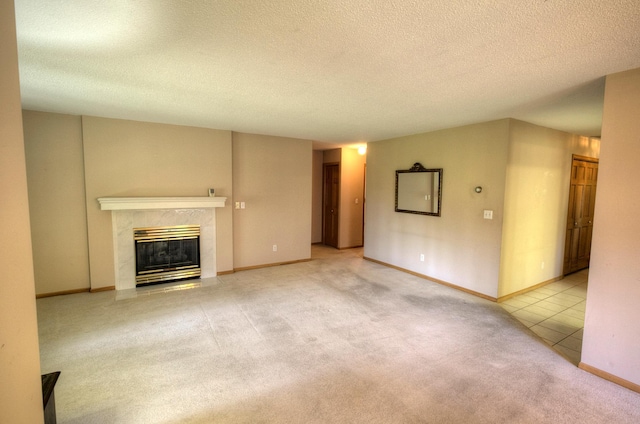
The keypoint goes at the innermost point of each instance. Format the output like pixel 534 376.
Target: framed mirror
pixel 419 190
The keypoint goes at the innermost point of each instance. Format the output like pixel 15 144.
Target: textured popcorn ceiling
pixel 327 70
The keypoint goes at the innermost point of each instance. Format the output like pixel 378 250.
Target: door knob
pixel 575 223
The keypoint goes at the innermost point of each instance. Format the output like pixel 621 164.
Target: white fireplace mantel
pixel 139 203
pixel 128 213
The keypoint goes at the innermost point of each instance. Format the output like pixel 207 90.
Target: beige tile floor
pixel 555 312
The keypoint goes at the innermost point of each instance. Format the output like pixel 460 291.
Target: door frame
pixel 324 197
pixel 567 239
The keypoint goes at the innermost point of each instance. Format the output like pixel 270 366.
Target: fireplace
pixel 128 213
pixel 167 253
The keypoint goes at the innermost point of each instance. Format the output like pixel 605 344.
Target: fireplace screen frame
pixel 172 270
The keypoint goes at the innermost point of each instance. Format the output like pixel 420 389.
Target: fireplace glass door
pixel 167 253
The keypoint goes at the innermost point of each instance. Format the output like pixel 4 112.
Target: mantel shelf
pixel 137 203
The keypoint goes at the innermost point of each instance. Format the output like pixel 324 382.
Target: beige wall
pixel 332 156
pixel 524 171
pixel 460 247
pixel 536 200
pixel 55 171
pixel 272 175
pixel 351 189
pixel 20 389
pixel 611 334
pixel 74 160
pixel 128 158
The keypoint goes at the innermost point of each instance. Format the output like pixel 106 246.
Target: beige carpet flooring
pixel 334 340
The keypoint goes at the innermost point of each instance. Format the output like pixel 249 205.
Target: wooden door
pixel 331 203
pixel 582 196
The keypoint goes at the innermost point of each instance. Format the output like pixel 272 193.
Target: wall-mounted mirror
pixel 419 190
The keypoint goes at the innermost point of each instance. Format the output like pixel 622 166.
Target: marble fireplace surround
pixel 128 213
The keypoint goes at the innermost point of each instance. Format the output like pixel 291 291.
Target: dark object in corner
pixel 48 398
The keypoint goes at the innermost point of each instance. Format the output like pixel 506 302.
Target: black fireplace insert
pixel 167 253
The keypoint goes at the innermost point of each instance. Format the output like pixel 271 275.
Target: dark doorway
pixel 330 204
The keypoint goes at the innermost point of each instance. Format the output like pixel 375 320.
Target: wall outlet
pixel 237 205
pixel 275 247
pixel 488 214
pixel 422 257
